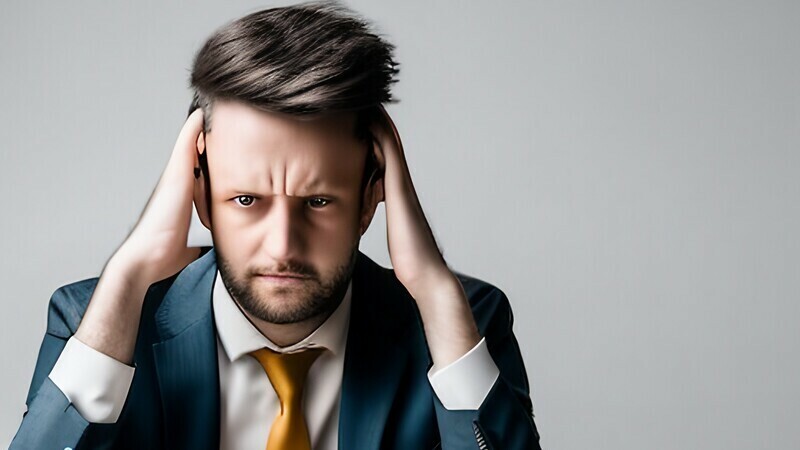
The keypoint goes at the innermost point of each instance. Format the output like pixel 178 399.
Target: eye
pixel 317 205
pixel 245 203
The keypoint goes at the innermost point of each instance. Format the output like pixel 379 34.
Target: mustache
pixel 286 270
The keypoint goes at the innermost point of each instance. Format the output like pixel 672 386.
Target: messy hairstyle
pixel 307 60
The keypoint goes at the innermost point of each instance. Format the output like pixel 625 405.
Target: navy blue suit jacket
pixel 387 400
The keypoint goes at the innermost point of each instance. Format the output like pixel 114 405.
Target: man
pixel 283 335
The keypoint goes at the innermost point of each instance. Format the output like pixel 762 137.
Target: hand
pixel 154 250
pixel 415 256
pixel 418 264
pixel 156 247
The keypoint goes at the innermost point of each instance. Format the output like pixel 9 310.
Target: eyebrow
pixel 315 186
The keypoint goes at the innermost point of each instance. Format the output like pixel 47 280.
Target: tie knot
pixel 287 371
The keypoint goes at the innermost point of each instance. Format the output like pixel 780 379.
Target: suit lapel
pixel 186 359
pixel 375 358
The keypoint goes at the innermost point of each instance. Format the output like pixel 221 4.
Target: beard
pixel 310 298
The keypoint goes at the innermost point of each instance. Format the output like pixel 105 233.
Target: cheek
pixel 334 239
pixel 237 242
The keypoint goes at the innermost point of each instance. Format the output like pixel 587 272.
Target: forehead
pixel 236 122
pixel 249 147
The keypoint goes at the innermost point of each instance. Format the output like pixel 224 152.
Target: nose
pixel 283 239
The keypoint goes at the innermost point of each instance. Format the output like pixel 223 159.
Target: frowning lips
pixel 282 275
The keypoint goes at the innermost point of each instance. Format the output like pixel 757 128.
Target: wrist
pixel 127 271
pixel 110 323
pixel 447 320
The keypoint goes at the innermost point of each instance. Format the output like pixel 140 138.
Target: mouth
pixel 282 275
pixel 284 278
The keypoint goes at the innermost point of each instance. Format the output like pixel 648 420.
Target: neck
pixel 284 335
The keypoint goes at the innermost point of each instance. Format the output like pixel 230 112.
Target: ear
pixel 200 182
pixel 373 194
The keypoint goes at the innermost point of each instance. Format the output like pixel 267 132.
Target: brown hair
pixel 306 60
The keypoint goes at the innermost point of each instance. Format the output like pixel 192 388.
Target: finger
pixel 181 162
pixel 388 147
pixel 179 172
pixel 175 188
pixel 391 128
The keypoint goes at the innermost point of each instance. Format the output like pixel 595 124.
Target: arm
pixel 156 249
pixel 505 418
pixel 110 324
pixel 52 420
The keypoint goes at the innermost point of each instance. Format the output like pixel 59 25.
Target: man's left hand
pixel 417 262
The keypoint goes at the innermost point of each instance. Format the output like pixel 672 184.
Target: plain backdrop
pixel 625 171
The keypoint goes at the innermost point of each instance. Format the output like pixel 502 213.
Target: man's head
pixel 288 175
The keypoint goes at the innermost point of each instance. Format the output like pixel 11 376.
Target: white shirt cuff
pixel 465 383
pixel 95 383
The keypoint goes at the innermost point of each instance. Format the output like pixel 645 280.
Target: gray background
pixel 627 172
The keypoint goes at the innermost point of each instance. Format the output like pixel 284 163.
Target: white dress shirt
pixel 97 384
pixel 248 402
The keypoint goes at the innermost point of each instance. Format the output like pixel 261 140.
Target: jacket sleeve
pixel 51 420
pixel 505 418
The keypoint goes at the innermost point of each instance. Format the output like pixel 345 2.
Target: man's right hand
pixel 155 249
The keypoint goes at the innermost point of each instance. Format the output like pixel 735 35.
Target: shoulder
pixel 68 305
pixel 481 293
pixel 484 297
pixel 69 302
pixel 490 305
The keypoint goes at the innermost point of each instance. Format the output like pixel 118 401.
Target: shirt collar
pixel 239 336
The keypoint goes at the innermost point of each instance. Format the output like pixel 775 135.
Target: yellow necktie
pixel 287 372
